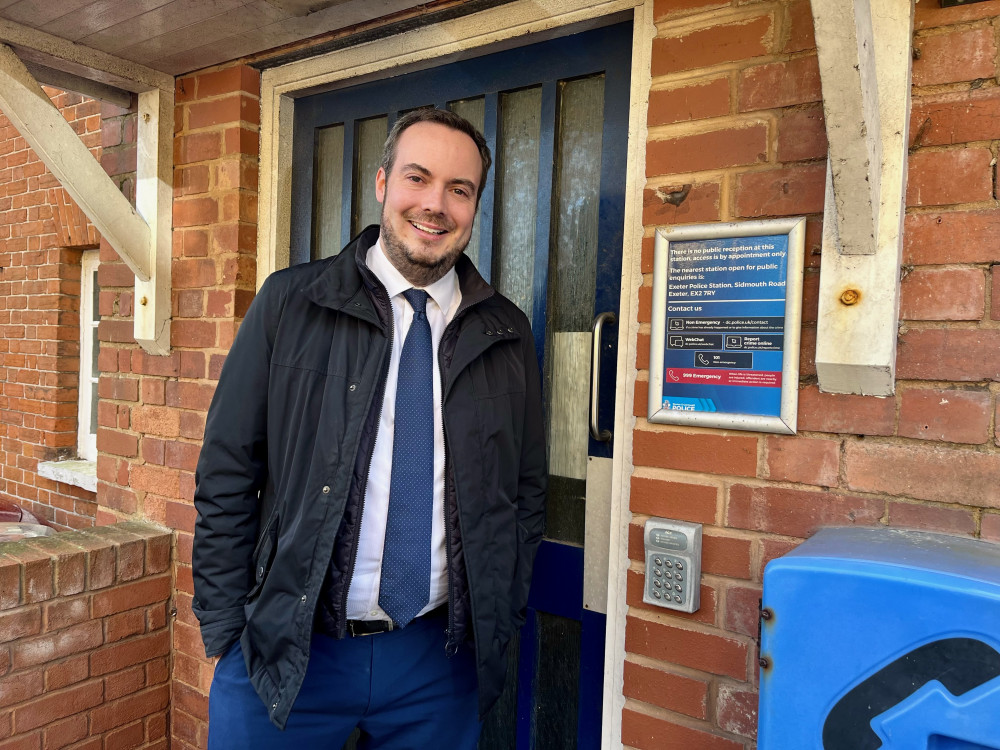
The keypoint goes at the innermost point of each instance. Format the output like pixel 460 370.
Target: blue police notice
pixel 724 336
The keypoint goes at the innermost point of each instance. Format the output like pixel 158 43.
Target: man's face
pixel 428 200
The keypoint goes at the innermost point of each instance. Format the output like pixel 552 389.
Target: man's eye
pixel 415 178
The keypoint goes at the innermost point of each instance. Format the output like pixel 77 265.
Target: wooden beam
pixel 58 146
pixel 54 52
pixel 866 93
pixel 154 201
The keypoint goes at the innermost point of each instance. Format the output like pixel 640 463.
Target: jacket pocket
pixel 263 556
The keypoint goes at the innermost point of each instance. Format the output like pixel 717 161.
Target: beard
pixel 419 271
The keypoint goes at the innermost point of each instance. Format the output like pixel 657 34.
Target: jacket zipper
pixel 451 647
pixel 342 625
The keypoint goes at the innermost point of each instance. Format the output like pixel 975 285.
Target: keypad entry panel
pixel 673 564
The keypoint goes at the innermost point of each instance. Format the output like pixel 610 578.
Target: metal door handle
pixel 595 376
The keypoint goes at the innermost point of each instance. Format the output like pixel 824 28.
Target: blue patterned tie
pixel 406 559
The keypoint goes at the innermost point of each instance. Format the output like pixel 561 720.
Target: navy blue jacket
pixel 287 442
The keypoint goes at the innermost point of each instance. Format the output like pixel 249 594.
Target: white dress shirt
pixel 445 297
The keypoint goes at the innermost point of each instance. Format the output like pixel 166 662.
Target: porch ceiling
pixel 179 36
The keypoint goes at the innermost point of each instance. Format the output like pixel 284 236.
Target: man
pixel 370 490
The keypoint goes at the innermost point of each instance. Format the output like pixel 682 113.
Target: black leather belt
pixel 356 628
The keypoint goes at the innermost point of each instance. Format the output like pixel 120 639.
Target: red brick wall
pixel 736 112
pixel 85 639
pixel 152 412
pixel 41 236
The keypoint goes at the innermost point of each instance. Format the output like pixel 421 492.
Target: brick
pixel 955 117
pixel 19 623
pixel 124 682
pixel 781 192
pixel 994 294
pixel 797 513
pixel 131 595
pixel 119 388
pixel 65 732
pixel 132 708
pixel 190 273
pixel 127 653
pixel 63 612
pixel 801 135
pixel 962 55
pixel 718 44
pixel 780 84
pixel 924 472
pixel 237 78
pixel 156 420
pixel 943 294
pixel 831 412
pixel 36 571
pixel 10 582
pixel 674 692
pixel 124 625
pixel 932 518
pixel 197 147
pixel 947 415
pixel 693 102
pixel 193 333
pixel 646 732
pixel 701 203
pixel 118 443
pixel 67 672
pixel 801 33
pixel 724 555
pixel 195 211
pixel 707 652
pixel 69 563
pixel 228 109
pixel 189 700
pixel 101 558
pixel 805 460
pixel 72 700
pixel 742 610
pixel 687 502
pixel 949 354
pixel 21 687
pixel 704 452
pixel 51 646
pixel 989 528
pixel 736 710
pixel 937 178
pixel 702 151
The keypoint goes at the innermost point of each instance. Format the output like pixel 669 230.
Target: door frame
pixel 505 26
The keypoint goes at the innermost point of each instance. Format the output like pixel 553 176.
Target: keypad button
pixel 657 584
pixel 677 587
pixel 680 565
pixel 677 599
pixel 669 564
pixel 657 561
pixel 657 594
pixel 678 577
pixel 669 574
pixel 657 572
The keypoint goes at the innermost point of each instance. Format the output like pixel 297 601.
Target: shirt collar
pixel 441 291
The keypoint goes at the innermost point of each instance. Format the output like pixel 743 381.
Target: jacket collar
pixel 351 287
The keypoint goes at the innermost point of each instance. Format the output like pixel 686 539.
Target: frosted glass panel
pixel 576 209
pixel 473 110
pixel 328 186
pixel 517 194
pixel 369 140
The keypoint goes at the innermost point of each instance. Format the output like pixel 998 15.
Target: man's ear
pixel 380 185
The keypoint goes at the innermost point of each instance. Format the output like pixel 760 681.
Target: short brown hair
pixel 441 117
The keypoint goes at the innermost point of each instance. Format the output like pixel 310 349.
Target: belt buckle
pixel 388 625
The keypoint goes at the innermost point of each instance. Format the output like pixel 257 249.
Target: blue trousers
pixel 401 689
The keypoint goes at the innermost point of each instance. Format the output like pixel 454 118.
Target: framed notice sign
pixel 727 302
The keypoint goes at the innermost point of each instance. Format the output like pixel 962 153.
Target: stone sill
pixel 78 473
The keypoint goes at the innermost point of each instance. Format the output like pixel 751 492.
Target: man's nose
pixel 434 200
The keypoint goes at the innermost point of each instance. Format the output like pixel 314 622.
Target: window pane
pixel 577 195
pixel 517 194
pixel 369 140
pixel 473 110
pixel 328 185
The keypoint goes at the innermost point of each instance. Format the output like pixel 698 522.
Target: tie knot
pixel 417 299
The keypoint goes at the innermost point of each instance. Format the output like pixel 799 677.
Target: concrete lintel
pixel 859 291
pixel 56 143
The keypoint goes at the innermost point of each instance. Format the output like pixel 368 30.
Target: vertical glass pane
pixel 95 291
pixel 557 696
pixel 473 110
pixel 576 209
pixel 328 186
pixel 369 140
pixel 572 281
pixel 517 194
pixel 93 406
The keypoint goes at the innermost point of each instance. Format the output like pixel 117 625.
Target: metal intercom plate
pixel 673 564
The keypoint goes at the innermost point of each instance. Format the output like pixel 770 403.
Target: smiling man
pixel 370 490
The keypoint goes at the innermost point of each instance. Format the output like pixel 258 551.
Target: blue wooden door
pixel 549 236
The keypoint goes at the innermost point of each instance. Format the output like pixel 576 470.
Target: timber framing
pixel 141 235
pixel 864 60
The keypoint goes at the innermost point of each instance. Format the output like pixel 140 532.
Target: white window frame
pixel 86 441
